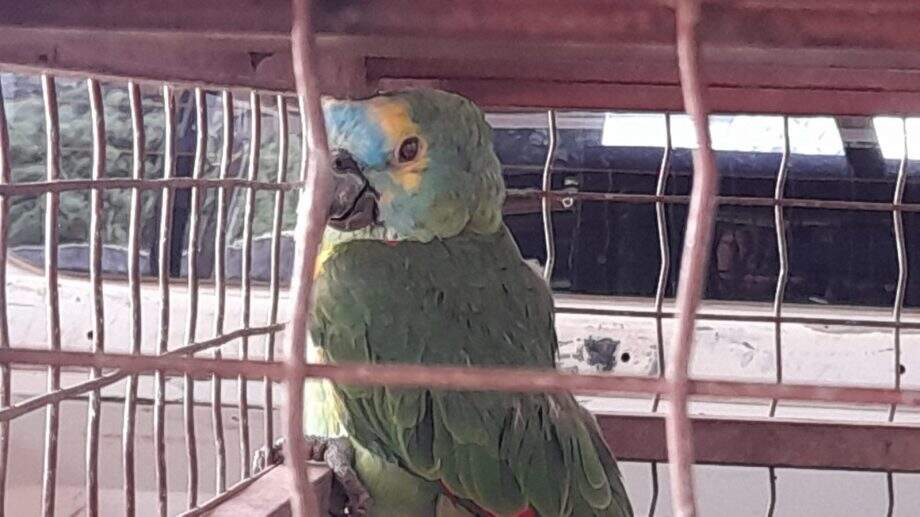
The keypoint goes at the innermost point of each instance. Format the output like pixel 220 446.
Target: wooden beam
pixel 855 58
pixel 269 496
pixel 641 437
pixel 771 442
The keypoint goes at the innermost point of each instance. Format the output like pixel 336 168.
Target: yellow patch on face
pixel 409 176
pixel 393 118
pixel 325 252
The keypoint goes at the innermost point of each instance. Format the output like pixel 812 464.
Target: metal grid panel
pixel 55 394
pixel 675 383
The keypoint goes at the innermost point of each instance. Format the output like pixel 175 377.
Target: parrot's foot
pixel 339 455
pixel 266 456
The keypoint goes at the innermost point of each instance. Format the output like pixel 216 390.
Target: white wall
pixel 813 353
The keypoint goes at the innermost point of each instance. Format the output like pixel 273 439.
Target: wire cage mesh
pixel 240 376
pixel 134 335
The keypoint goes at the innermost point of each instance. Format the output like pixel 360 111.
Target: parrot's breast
pixel 469 299
pixel 465 300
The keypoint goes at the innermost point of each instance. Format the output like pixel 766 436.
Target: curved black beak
pixel 354 202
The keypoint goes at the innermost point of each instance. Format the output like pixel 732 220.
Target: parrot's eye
pixel 408 149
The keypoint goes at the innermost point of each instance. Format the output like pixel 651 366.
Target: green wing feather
pixel 468 300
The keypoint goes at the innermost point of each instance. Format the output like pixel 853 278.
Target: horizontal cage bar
pixel 459 378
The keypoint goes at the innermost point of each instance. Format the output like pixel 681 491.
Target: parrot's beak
pixel 354 202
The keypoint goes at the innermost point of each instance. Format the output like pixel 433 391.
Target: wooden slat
pixel 269 496
pixel 760 55
pixel 718 441
pixel 771 442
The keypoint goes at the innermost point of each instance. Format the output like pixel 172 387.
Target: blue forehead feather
pixel 350 126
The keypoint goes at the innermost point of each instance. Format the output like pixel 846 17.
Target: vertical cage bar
pixel 134 284
pixel 311 222
pixel 782 277
pixel 694 261
pixel 95 274
pixel 897 220
pixel 782 252
pixel 220 289
pixel 159 413
pixel 5 178
pixel 664 248
pixel 304 137
pixel 771 508
pixel 901 250
pixel 191 322
pixel 52 206
pixel 547 201
pixel 889 476
pixel 255 143
pixel 275 280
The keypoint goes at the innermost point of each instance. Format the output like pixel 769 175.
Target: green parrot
pixel 416 266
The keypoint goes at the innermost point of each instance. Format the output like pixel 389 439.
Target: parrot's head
pixel 411 165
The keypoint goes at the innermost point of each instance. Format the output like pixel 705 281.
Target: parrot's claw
pixel 267 456
pixel 339 455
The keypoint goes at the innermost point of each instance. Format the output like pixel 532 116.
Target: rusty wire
pixel 459 378
pixel 694 261
pixel 39 401
pixel 311 223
